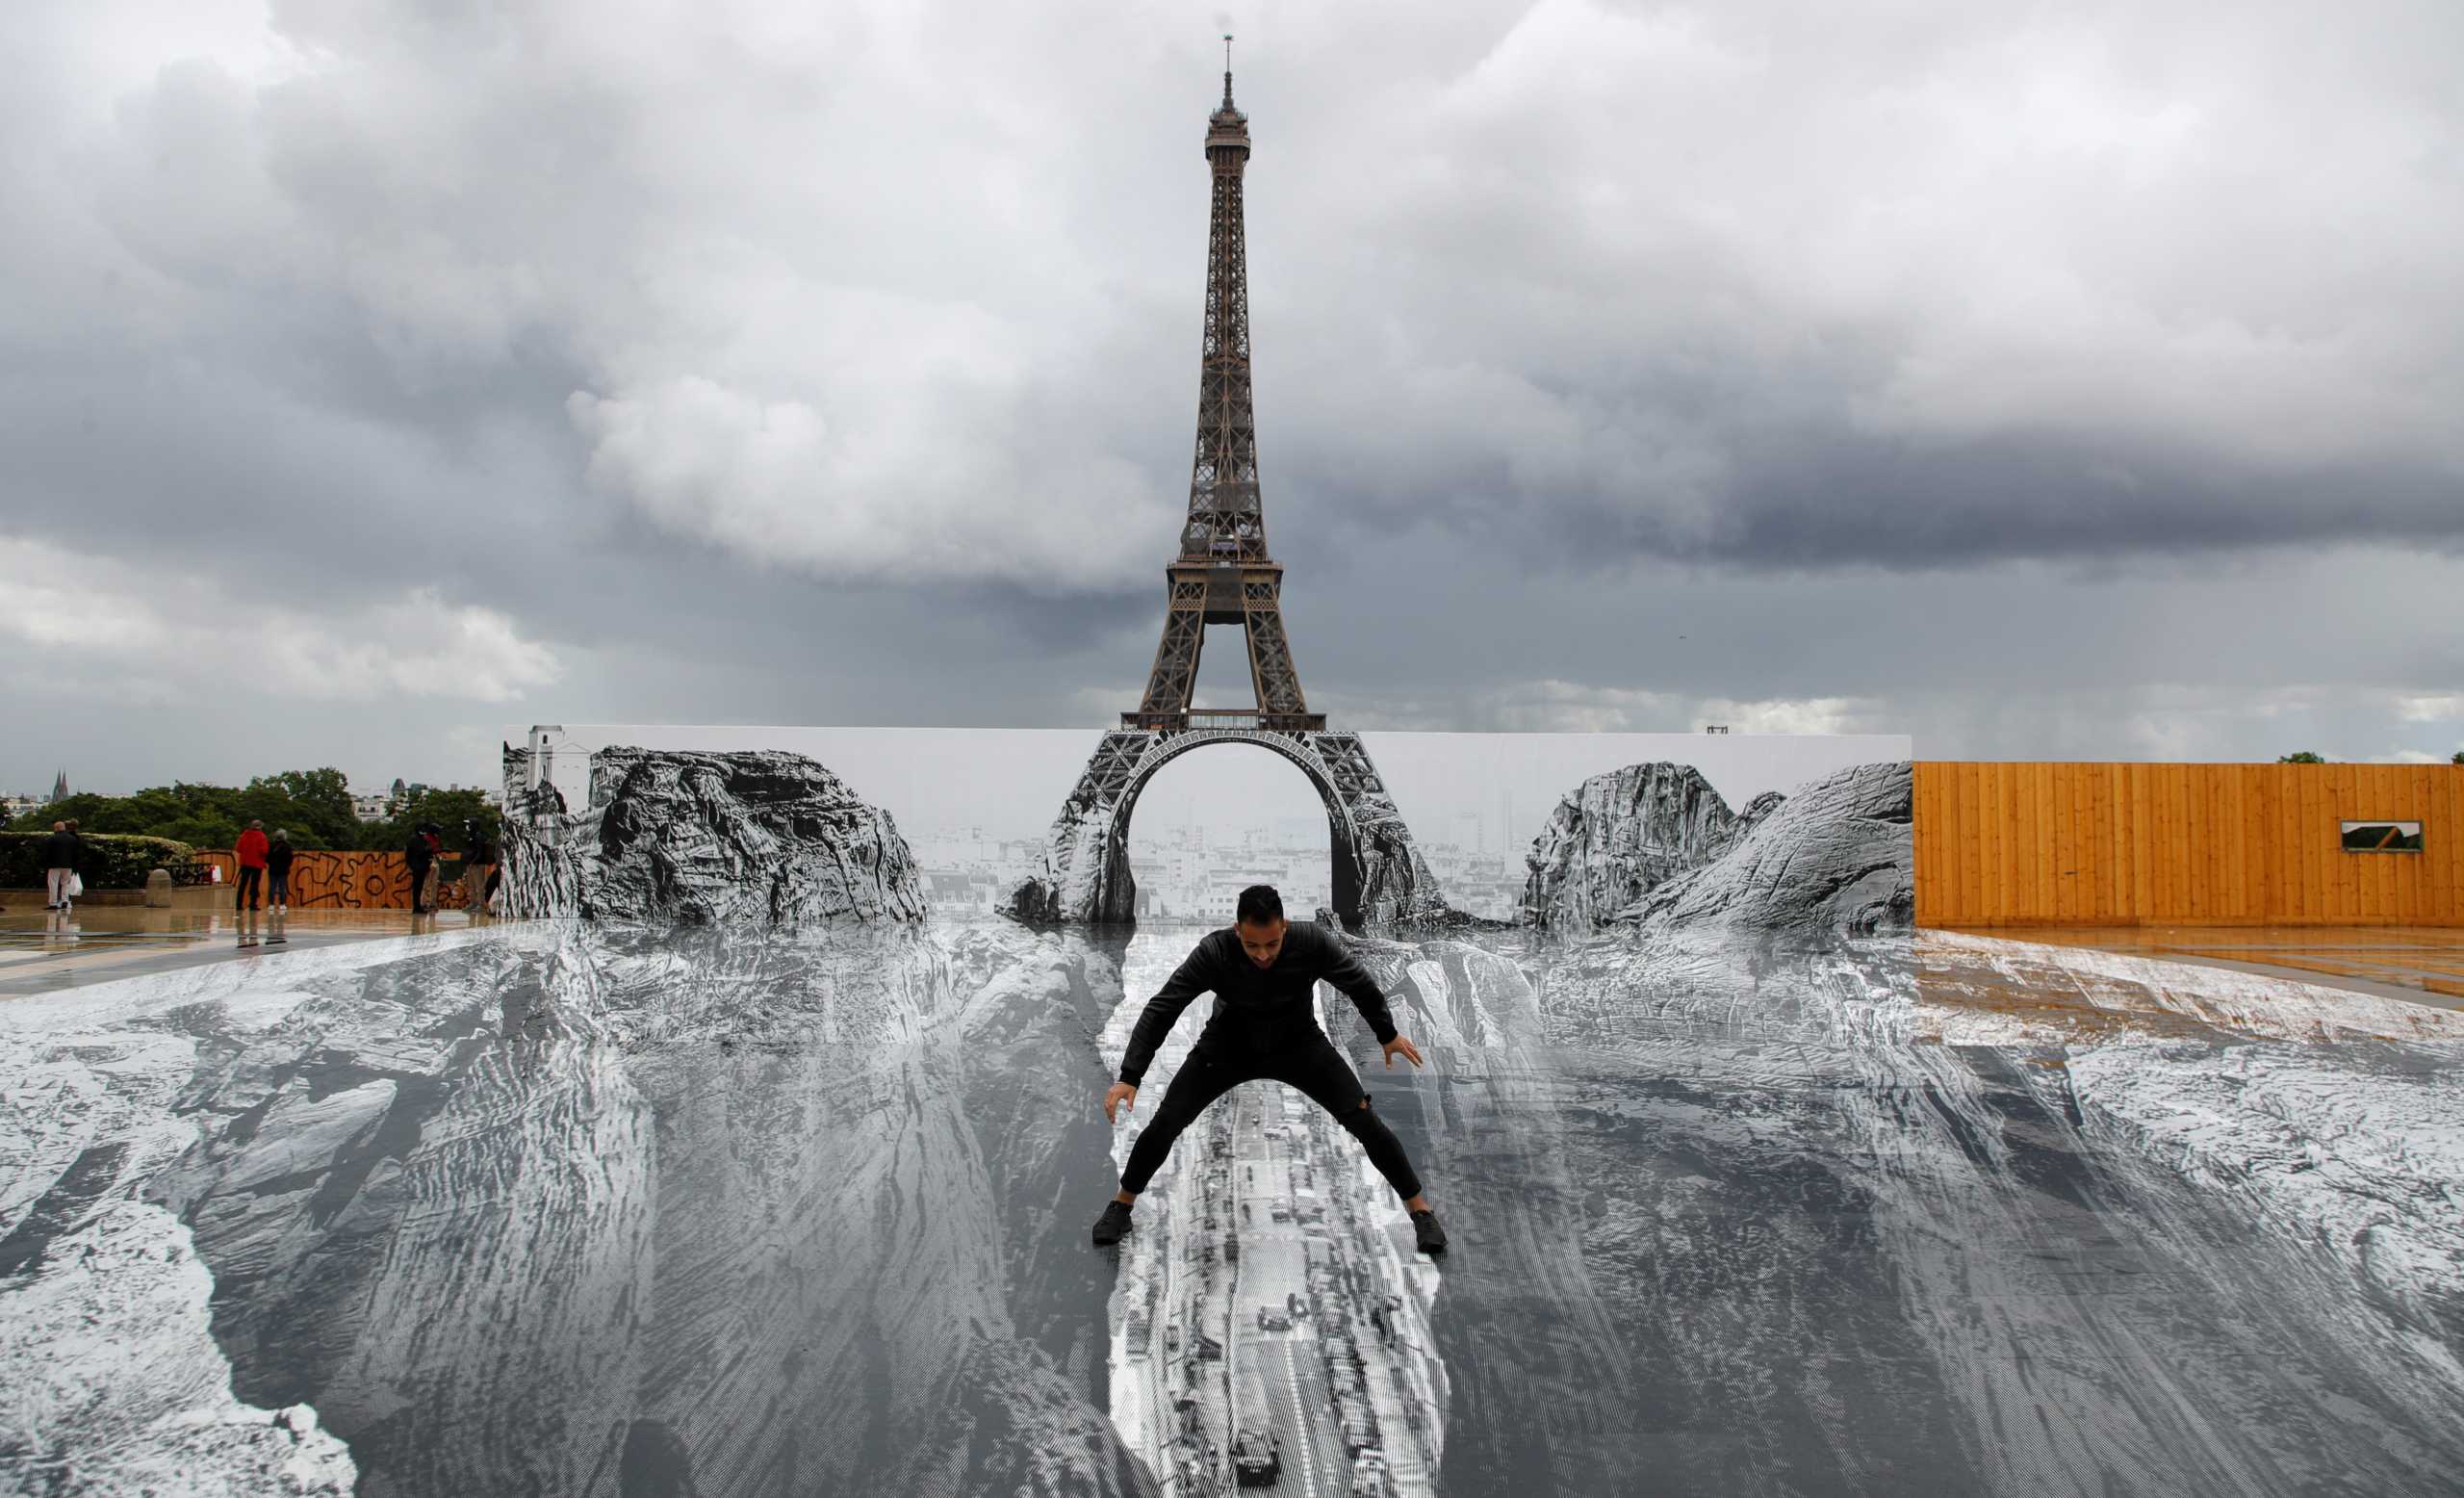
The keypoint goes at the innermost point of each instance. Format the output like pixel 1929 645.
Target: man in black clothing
pixel 278 855
pixel 418 855
pixel 60 853
pixel 1262 972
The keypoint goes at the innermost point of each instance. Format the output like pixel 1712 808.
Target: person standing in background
pixel 418 855
pixel 435 837
pixel 60 861
pixel 278 872
pixel 478 861
pixel 249 852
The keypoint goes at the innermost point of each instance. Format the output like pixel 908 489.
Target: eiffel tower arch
pixel 1225 575
pixel 1379 876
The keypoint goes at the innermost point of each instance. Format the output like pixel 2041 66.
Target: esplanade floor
pixel 44 952
pixel 2423 964
pixel 534 1208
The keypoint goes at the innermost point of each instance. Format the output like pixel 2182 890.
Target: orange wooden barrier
pixel 2094 844
pixel 323 880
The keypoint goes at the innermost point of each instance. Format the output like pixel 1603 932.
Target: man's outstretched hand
pixel 1401 1046
pixel 1120 1095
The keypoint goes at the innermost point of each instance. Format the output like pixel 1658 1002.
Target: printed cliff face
pixel 684 836
pixel 720 1211
pixel 750 1210
pixel 1654 845
pixel 1617 837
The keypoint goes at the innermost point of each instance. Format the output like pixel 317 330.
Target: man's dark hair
pixel 1260 905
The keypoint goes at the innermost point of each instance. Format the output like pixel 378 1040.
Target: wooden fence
pixel 347 881
pixel 2183 844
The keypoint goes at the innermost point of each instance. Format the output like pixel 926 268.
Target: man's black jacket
pixel 1254 1000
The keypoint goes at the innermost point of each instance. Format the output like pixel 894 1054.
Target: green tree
pixel 450 810
pixel 313 806
pixel 147 812
pixel 310 804
pixel 2304 757
pixel 88 807
pixel 199 832
pixel 322 795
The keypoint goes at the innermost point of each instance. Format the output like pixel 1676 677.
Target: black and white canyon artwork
pixel 739 1172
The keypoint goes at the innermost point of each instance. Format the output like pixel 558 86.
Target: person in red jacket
pixel 250 851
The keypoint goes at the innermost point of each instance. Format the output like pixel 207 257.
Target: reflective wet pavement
pixel 45 951
pixel 2424 964
pixel 534 1209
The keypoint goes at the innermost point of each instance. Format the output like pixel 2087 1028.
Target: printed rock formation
pixel 1654 845
pixel 1621 835
pixel 1839 856
pixel 682 836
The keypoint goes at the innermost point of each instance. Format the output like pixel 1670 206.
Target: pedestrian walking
pixel 60 860
pixel 249 852
pixel 278 872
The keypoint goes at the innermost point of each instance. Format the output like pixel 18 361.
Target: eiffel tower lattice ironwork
pixel 1223 574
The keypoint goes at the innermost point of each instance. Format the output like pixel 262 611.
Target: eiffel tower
pixel 1225 575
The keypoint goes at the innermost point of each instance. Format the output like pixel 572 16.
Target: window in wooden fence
pixel 2382 837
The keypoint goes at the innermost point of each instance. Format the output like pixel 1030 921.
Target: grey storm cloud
pixel 854 344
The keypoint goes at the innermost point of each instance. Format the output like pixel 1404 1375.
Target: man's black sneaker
pixel 1113 1223
pixel 1427 1235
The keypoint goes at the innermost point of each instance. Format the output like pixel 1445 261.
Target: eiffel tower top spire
pixel 1226 520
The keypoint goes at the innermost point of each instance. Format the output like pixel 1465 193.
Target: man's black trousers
pixel 244 895
pixel 1300 1057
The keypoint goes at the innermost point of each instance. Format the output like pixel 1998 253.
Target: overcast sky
pixel 2043 381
